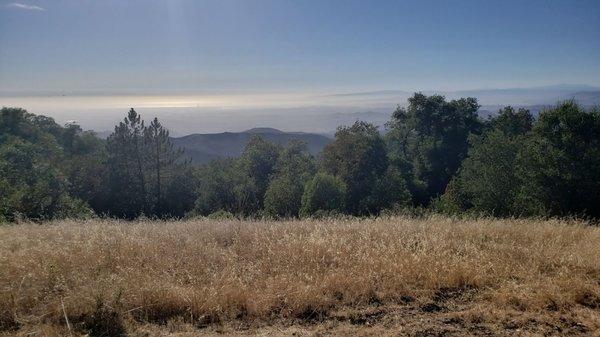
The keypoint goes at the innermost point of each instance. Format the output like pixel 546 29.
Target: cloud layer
pixel 17 5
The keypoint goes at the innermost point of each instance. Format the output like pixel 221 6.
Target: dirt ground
pixel 430 319
pixel 451 313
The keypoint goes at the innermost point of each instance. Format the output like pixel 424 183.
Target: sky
pixel 163 47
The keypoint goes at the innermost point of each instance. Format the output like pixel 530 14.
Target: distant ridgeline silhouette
pixel 202 148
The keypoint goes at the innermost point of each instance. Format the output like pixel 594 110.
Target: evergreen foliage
pixel 436 154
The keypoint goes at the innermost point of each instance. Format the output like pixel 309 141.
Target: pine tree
pixel 126 167
pixel 163 161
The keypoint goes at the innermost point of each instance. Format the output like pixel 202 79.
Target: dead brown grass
pixel 196 277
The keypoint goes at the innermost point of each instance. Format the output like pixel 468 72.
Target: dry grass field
pixel 373 277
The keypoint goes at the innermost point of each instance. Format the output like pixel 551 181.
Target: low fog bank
pixel 297 112
pixel 184 121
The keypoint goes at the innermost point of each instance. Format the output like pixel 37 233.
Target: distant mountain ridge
pixel 585 95
pixel 587 98
pixel 374 107
pixel 202 148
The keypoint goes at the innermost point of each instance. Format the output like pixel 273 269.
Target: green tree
pixel 389 191
pixel 33 178
pixel 179 195
pixel 127 181
pixel 558 165
pixel 323 192
pixel 17 122
pixel 358 157
pixel 295 165
pixel 86 167
pixel 216 185
pixel 32 187
pixel 284 196
pixel 428 140
pixel 512 122
pixel 487 180
pixel 223 185
pixel 143 164
pixel 258 162
pixel 164 164
pixel 295 160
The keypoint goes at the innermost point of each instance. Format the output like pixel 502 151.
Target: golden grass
pixel 102 275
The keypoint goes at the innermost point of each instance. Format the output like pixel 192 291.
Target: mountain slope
pixel 587 98
pixel 202 148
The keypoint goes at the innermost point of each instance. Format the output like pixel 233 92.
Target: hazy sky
pixel 222 46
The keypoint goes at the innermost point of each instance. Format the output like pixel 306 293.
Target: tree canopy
pixel 436 153
pixel 428 140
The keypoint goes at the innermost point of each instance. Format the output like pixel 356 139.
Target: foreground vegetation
pixel 394 275
pixel 435 154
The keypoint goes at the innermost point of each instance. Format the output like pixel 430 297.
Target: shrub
pixel 283 197
pixel 221 215
pixel 323 193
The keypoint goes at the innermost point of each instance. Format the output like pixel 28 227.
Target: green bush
pixel 221 215
pixel 283 197
pixel 324 193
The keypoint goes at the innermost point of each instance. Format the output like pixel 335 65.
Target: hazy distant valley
pixel 205 134
pixel 321 114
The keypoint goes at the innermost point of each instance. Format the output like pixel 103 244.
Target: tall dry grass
pixel 94 274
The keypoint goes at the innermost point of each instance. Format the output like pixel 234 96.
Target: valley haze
pixel 186 113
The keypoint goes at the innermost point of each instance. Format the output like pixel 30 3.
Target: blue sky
pixel 223 46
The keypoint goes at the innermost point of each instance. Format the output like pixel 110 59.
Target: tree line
pixel 434 154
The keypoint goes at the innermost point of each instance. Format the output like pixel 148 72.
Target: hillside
pixel 587 98
pixel 202 148
pixel 389 276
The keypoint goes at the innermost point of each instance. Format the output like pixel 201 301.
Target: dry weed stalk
pixel 206 271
